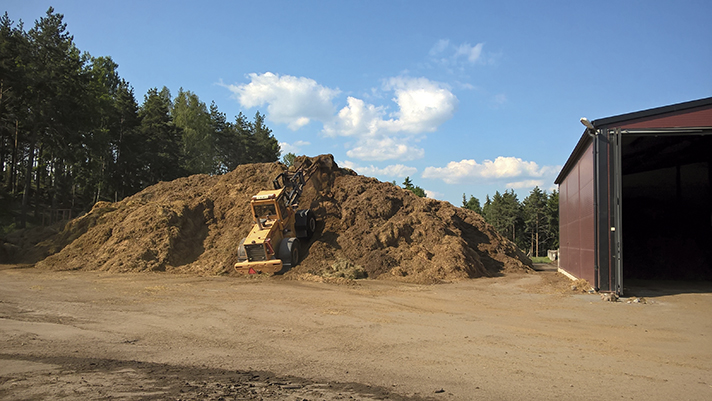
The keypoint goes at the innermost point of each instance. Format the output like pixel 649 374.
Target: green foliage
pixel 532 224
pixel 552 220
pixel 472 204
pixel 72 132
pixel 418 191
pixel 128 174
pixel 241 142
pixel 197 135
pixel 265 147
pixel 161 154
pixel 505 213
pixel 229 143
pixel 534 209
pixel 288 159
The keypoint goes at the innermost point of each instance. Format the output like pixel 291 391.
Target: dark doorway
pixel 667 206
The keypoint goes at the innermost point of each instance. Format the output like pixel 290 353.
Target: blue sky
pixel 462 96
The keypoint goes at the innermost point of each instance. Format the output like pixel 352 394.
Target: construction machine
pixel 273 241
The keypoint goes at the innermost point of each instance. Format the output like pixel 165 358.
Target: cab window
pixel 265 210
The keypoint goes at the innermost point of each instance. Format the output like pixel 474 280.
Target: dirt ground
pixel 97 335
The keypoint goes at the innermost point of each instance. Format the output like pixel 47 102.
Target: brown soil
pixel 366 228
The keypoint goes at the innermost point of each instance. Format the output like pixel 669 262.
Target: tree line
pixel 72 132
pixel 533 224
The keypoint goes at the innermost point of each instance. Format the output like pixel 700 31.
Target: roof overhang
pixel 644 121
pixel 580 148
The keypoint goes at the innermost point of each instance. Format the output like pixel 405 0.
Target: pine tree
pixel 288 159
pixel 56 112
pixel 198 137
pixel 161 155
pixel 226 143
pixel 95 164
pixel 14 55
pixel 129 175
pixel 551 219
pixel 472 204
pixel 408 184
pixel 503 211
pixel 266 146
pixel 534 210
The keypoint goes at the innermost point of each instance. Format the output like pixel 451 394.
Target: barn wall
pixel 577 219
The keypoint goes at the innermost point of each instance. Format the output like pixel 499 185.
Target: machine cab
pixel 268 208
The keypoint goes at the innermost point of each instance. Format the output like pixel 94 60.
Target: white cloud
pixel 385 149
pixel 439 47
pixel 433 195
pixel 471 53
pixel 293 101
pixel 356 119
pixel 524 184
pixel 422 106
pixel 293 147
pixel 393 170
pixel 501 168
pixel 453 56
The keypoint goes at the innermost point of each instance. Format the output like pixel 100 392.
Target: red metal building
pixel 636 198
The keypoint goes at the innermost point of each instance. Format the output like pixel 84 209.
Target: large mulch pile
pixel 366 228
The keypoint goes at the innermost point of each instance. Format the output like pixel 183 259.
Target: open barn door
pixel 663 198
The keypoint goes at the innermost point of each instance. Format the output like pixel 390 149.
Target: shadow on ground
pixel 35 377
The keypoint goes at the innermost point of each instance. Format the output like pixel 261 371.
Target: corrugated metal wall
pixel 577 217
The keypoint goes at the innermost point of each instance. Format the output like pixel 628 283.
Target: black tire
pixel 295 253
pixel 311 224
pixel 289 252
pixel 305 224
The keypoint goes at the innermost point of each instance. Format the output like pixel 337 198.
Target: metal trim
pixel 617 221
pixel 667 131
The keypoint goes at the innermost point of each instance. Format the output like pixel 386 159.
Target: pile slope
pixel 376 229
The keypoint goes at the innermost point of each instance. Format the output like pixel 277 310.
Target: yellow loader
pixel 273 242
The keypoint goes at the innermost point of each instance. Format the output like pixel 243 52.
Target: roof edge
pixel 608 121
pixel 574 157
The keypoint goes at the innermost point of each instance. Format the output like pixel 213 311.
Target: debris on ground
pixel 637 300
pixel 609 297
pixel 366 228
pixel 582 285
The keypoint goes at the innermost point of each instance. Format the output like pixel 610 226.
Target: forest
pixel 72 132
pixel 532 224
